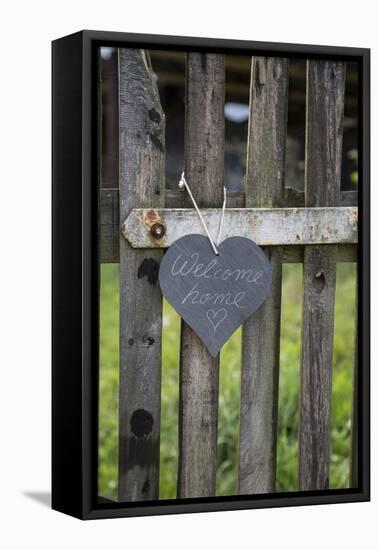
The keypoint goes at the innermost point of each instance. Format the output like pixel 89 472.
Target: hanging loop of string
pixel 183 183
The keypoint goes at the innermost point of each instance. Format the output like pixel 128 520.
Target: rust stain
pixel 148 218
pixel 152 217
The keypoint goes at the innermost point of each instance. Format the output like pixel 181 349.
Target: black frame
pixel 75 277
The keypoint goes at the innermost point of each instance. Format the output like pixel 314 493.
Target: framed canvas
pixel 210 275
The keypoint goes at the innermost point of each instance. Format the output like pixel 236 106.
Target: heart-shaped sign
pixel 215 294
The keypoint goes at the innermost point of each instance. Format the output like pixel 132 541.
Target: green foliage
pixel 230 373
pixel 343 375
pixel 353 155
pixel 108 375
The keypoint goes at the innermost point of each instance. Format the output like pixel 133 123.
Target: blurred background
pixel 169 68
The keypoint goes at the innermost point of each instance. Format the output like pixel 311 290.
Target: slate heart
pixel 215 294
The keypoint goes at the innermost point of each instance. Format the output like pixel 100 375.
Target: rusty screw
pixel 158 230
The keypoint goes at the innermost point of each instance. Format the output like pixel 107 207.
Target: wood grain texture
pixel 324 129
pixel 261 333
pixel 266 226
pixel 199 372
pixel 109 226
pixel 110 216
pixel 142 165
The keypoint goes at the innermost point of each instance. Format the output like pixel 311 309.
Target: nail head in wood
pixel 158 230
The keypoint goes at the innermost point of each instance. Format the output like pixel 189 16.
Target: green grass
pixel 108 376
pixel 288 417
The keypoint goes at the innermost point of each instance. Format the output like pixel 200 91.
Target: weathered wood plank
pixel 261 333
pixel 142 166
pixel 109 226
pixel 291 253
pixel 295 254
pixel 199 372
pixel 236 199
pixel 324 120
pixel 174 198
pixel 266 226
pixel 294 197
pixel 110 230
pixel 110 217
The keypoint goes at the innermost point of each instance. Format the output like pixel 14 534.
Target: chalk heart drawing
pixel 215 294
pixel 216 317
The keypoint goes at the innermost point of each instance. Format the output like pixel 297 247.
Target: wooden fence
pixel 317 227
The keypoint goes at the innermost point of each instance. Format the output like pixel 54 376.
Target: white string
pixel 183 183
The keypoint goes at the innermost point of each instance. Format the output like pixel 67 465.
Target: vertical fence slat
pixel 199 372
pixel 324 130
pixel 261 334
pixel 141 178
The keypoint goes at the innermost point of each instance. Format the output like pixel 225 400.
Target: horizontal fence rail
pixel 265 226
pixel 110 220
